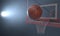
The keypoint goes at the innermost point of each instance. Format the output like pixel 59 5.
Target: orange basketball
pixel 35 12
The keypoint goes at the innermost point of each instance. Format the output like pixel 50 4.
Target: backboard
pixel 49 11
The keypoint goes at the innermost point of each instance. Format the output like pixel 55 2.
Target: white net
pixel 41 27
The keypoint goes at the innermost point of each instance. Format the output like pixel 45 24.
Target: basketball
pixel 35 12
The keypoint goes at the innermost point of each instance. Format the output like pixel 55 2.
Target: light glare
pixel 4 13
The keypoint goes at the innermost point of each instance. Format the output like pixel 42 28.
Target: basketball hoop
pixel 43 20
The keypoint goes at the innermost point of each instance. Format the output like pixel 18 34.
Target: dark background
pixel 16 24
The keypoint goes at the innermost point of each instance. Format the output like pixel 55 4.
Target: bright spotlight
pixel 5 13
